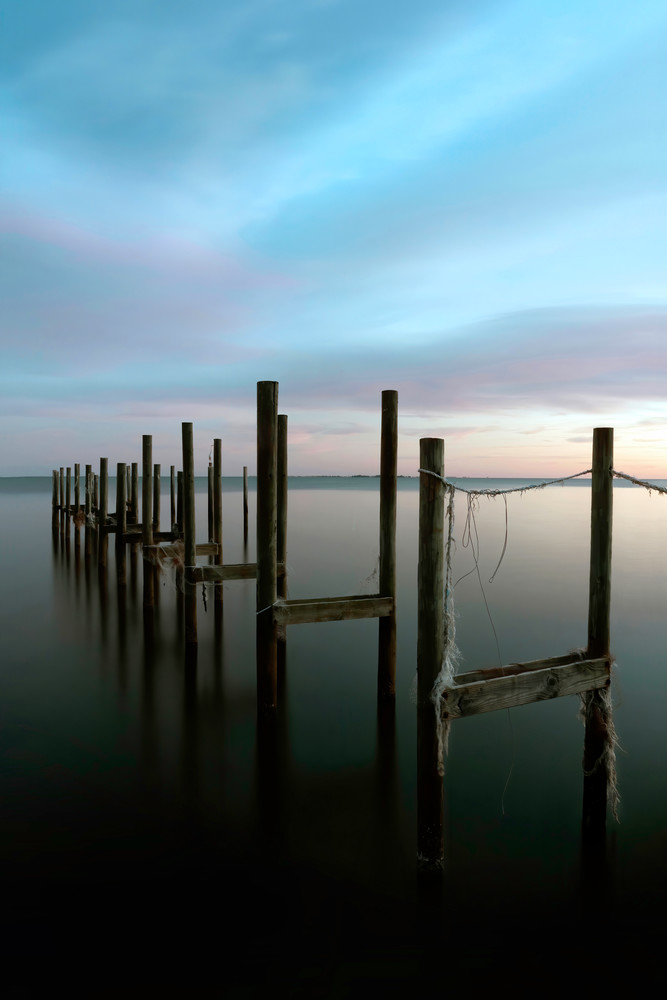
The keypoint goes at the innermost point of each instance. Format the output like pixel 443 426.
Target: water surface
pixel 153 833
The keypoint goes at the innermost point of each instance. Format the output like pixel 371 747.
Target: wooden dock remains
pixel 585 673
pixel 474 692
pixel 275 613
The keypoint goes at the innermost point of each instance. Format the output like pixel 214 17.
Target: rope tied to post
pixel 451 654
pixel 514 489
pixel 446 677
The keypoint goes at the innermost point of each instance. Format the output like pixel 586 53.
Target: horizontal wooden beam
pixel 207 548
pixel 333 609
pixel 232 571
pixel 535 682
pixel 510 669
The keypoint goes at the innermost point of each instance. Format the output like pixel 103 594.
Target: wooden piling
pixel 54 495
pixel 77 487
pixel 387 569
pixel 128 490
pixel 217 499
pixel 210 501
pixel 156 497
pixel 103 509
pixel 179 502
pixel 147 490
pixel 102 517
pixel 599 605
pixel 172 497
pixel 245 503
pixel 430 650
pixel 61 490
pixel 87 534
pixel 89 493
pixel 68 490
pixel 134 495
pixel 281 538
pixel 217 525
pixel 147 514
pixel 190 555
pixel 121 504
pixel 96 492
pixel 267 514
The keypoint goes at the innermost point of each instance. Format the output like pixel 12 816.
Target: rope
pixel 451 654
pixel 515 489
pixel 639 482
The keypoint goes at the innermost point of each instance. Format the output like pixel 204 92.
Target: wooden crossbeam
pixel 332 609
pixel 232 571
pixel 207 548
pixel 174 550
pixel 487 673
pixel 486 691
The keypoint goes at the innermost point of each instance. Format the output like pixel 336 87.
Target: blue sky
pixel 464 201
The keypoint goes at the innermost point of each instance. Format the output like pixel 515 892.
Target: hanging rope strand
pixel 470 538
pixel 517 489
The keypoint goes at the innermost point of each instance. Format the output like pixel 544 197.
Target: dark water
pixel 154 834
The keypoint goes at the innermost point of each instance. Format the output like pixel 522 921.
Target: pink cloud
pixel 168 252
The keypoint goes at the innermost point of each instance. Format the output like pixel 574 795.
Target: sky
pixel 462 200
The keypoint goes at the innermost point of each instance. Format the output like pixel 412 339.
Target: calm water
pixel 152 834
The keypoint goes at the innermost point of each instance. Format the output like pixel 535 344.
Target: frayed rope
pixel 639 482
pixel 515 489
pixel 596 711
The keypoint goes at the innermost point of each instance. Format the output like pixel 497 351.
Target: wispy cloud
pixel 466 202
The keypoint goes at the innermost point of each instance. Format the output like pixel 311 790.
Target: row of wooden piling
pixel 96 496
pixel 470 693
pixel 274 611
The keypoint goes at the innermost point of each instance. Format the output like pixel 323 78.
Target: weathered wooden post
pixel 267 506
pixel 281 537
pixel 599 604
pixel 128 490
pixel 387 581
pixel 121 504
pixel 179 502
pixel 134 495
pixel 102 513
pixel 96 493
pixel 190 555
pixel 121 528
pixel 147 515
pixel 210 501
pixel 121 522
pixel 172 497
pixel 430 651
pixel 68 491
pixel 156 497
pixel 245 503
pixel 54 512
pixel 88 541
pixel 62 488
pixel 217 510
pixel 89 492
pixel 103 509
pixel 77 487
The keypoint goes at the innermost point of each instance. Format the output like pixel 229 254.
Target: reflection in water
pixel 143 782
